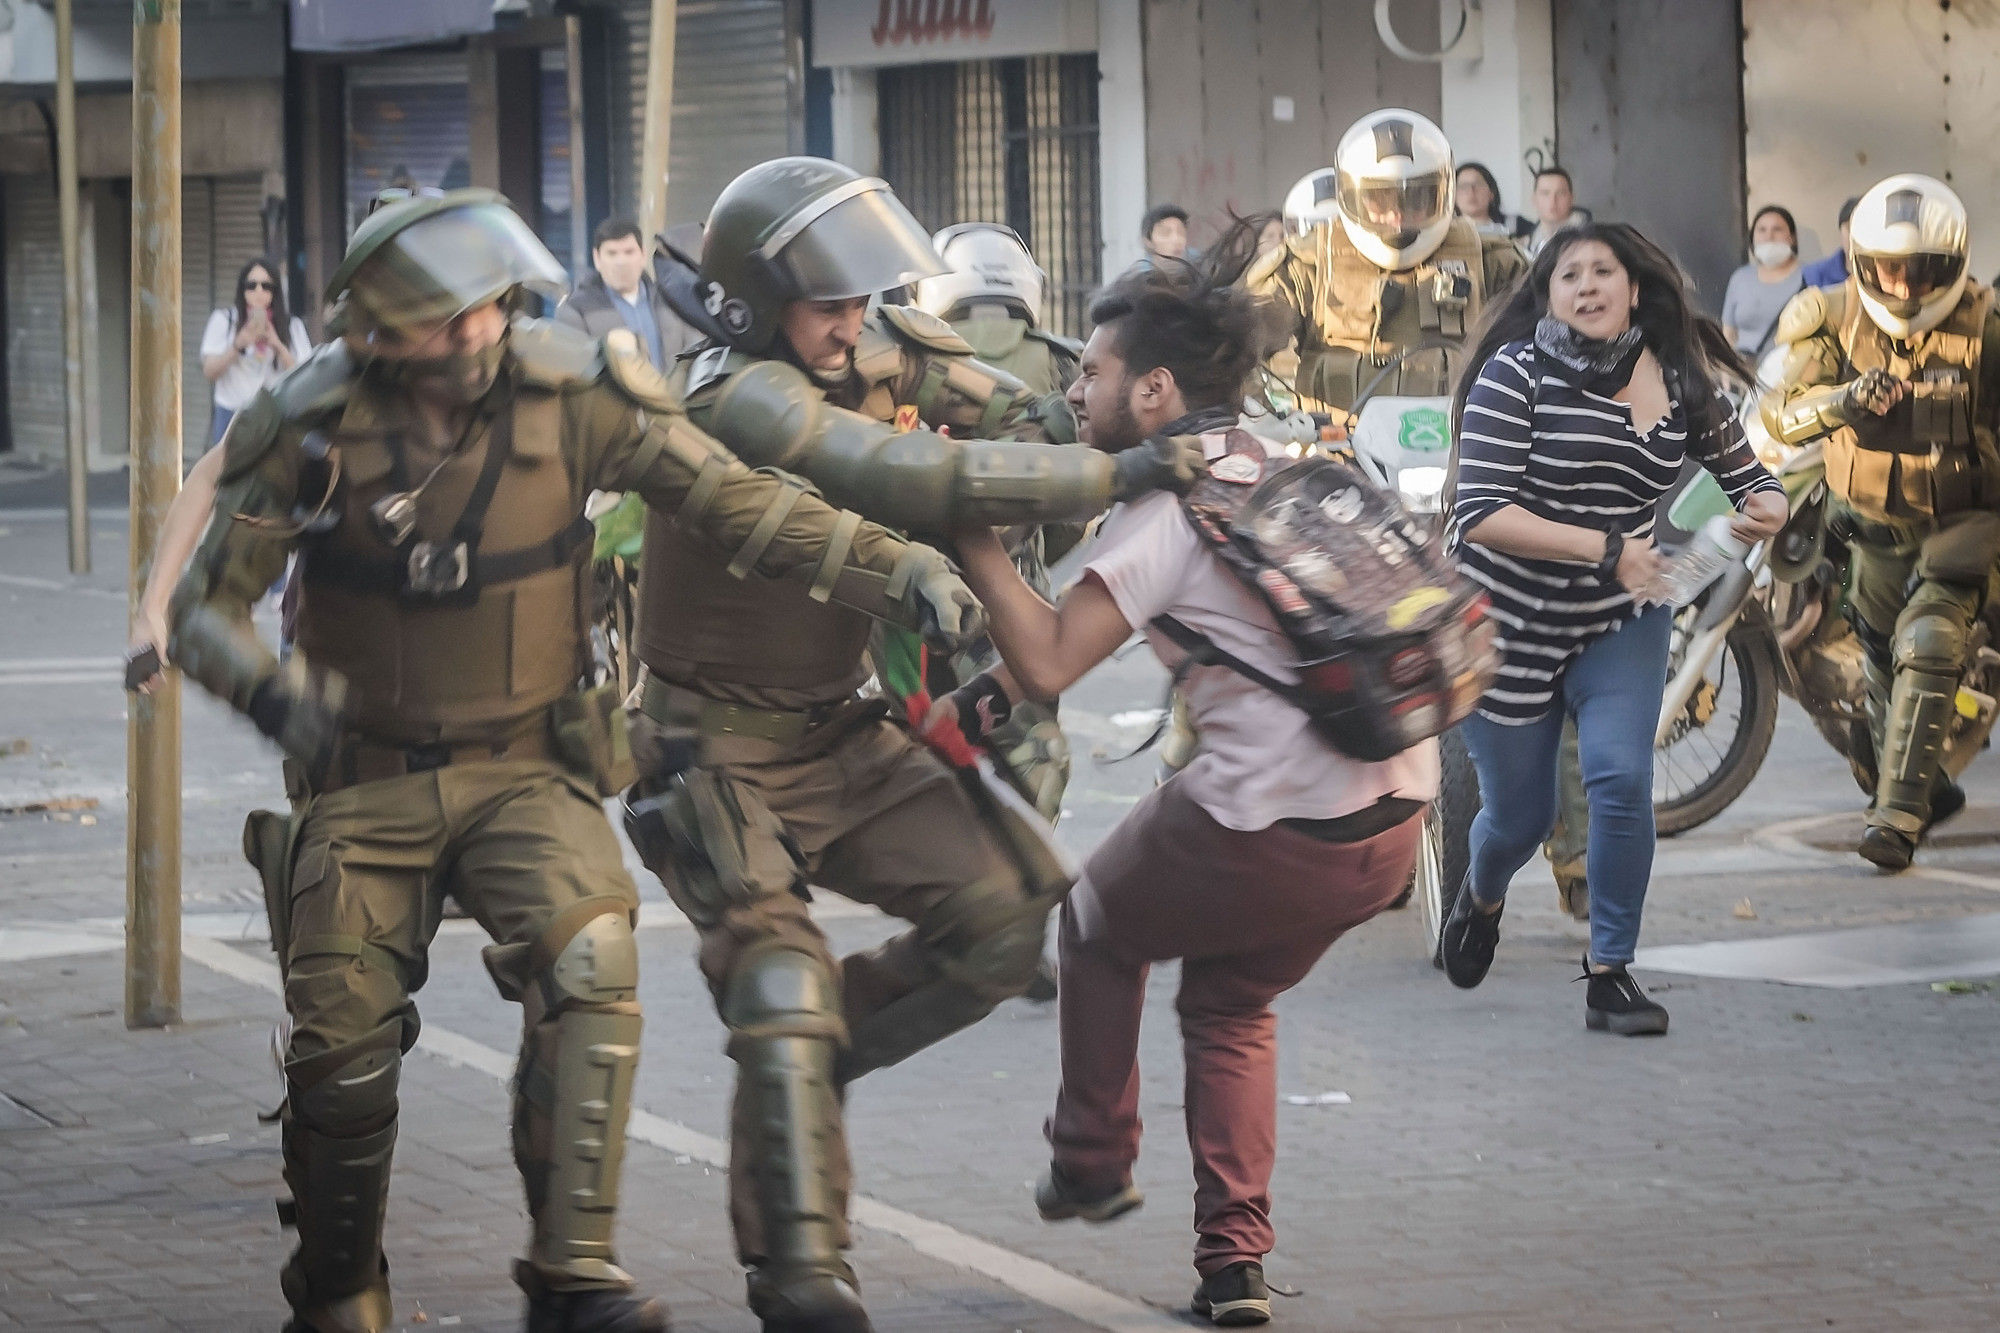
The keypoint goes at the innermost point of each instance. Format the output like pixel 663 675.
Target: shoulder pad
pixel 1070 346
pixel 634 372
pixel 553 356
pixel 1502 254
pixel 309 392
pixel 910 324
pixel 706 368
pixel 1807 313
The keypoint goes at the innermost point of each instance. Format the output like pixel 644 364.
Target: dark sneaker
pixel 1615 1003
pixel 1234 1296
pixel 1058 1198
pixel 603 1310
pixel 1466 943
pixel 1887 848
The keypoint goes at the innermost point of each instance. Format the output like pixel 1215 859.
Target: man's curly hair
pixel 1193 318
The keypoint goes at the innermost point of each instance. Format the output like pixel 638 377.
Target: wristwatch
pixel 1614 547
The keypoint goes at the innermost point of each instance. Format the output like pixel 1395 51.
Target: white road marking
pixel 56 585
pixel 1784 837
pixel 1038 1281
pixel 110 677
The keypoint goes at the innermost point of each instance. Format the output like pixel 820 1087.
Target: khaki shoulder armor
pixel 311 391
pixel 634 372
pixel 1068 346
pixel 1503 260
pixel 1810 311
pixel 705 368
pixel 554 356
pixel 910 324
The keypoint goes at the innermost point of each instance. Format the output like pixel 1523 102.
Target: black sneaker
pixel 1465 945
pixel 1614 1003
pixel 1234 1296
pixel 1058 1198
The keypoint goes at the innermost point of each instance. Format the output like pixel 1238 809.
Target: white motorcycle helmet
pixel 1395 187
pixel 1907 249
pixel 986 262
pixel 1311 202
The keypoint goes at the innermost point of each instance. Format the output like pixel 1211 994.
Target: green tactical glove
pixel 303 711
pixel 1161 463
pixel 943 608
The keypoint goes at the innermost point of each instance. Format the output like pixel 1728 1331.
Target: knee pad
pixel 781 992
pixel 988 936
pixel 599 962
pixel 351 1089
pixel 1930 643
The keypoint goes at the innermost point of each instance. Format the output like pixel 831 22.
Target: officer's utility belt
pixel 358 759
pixel 676 706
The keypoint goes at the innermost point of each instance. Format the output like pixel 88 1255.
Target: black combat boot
pixel 1888 849
pixel 598 1310
pixel 808 1301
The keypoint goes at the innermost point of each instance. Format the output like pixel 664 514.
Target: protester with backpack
pixel 1246 865
pixel 1557 483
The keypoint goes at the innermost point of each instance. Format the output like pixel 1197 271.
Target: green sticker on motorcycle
pixel 1425 430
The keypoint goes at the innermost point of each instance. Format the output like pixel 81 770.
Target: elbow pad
pixel 1808 416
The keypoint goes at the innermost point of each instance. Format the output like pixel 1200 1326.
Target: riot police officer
pixel 1382 266
pixel 1899 371
pixel 765 769
pixel 442 730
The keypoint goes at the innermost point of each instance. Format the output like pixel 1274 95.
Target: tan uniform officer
pixel 766 771
pixel 430 468
pixel 1899 370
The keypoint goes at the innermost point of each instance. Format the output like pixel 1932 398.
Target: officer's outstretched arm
pixel 240 557
pixel 1809 399
pixel 773 525
pixel 773 416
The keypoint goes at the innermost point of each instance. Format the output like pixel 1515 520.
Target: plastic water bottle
pixel 1713 549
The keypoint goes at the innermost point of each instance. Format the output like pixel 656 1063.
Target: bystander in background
pixel 1759 290
pixel 1477 194
pixel 1832 270
pixel 621 294
pixel 1555 207
pixel 249 344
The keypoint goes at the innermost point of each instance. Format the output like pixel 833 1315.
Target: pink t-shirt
pixel 1260 759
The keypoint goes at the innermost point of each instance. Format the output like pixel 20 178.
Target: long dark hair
pixel 1689 345
pixel 1193 318
pixel 281 320
pixel 1494 212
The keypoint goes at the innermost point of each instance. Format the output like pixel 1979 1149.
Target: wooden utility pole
pixel 72 262
pixel 653 160
pixel 153 729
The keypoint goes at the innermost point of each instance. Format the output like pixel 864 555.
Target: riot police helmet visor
pixel 441 266
pixel 1899 280
pixel 1396 210
pixel 863 245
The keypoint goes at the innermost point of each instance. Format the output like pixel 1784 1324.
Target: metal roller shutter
pixel 735 91
pixel 406 117
pixel 34 318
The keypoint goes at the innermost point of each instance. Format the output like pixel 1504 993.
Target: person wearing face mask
pixel 1759 290
pixel 1595 380
pixel 765 767
pixel 443 729
pixel 1898 370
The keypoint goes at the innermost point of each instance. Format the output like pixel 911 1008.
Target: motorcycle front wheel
pixel 1719 742
pixel 1444 851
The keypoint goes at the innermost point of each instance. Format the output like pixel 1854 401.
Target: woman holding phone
pixel 249 343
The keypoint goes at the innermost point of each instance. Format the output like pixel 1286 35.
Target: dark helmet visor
pixel 865 244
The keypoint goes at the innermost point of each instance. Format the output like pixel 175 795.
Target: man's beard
pixel 1119 431
pixel 461 377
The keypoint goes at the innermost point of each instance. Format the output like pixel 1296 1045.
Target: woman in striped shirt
pixel 1595 380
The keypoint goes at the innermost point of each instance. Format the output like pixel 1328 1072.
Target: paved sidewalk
pixel 147 1203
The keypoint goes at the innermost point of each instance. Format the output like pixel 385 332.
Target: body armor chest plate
pixel 1929 455
pixel 426 669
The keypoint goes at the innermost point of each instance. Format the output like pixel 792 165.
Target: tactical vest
pixel 482 662
pixel 1364 315
pixel 1038 359
pixel 1930 455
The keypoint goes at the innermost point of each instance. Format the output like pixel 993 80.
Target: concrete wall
pixel 1648 122
pixel 1840 93
pixel 1500 107
pixel 1243 99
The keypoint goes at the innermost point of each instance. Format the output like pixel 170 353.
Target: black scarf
pixel 1599 365
pixel 1201 421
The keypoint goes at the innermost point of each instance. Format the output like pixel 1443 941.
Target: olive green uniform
pixel 797 780
pixel 467 761
pixel 1920 491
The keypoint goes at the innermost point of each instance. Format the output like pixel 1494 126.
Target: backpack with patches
pixel 1393 644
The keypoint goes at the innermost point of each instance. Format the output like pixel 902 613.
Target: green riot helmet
pixel 804 229
pixel 419 262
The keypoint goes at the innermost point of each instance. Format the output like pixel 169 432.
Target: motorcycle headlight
pixel 1422 488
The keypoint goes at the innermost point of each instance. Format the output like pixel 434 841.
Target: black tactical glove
pixel 303 712
pixel 1873 393
pixel 1160 463
pixel 943 608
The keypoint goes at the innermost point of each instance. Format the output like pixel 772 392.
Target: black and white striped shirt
pixel 1531 438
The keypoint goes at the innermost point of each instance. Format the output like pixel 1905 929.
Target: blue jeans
pixel 218 423
pixel 1613 688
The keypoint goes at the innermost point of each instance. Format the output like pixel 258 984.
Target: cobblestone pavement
pixel 1789 1158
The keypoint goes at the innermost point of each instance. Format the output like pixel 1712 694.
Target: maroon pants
pixel 1248 914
